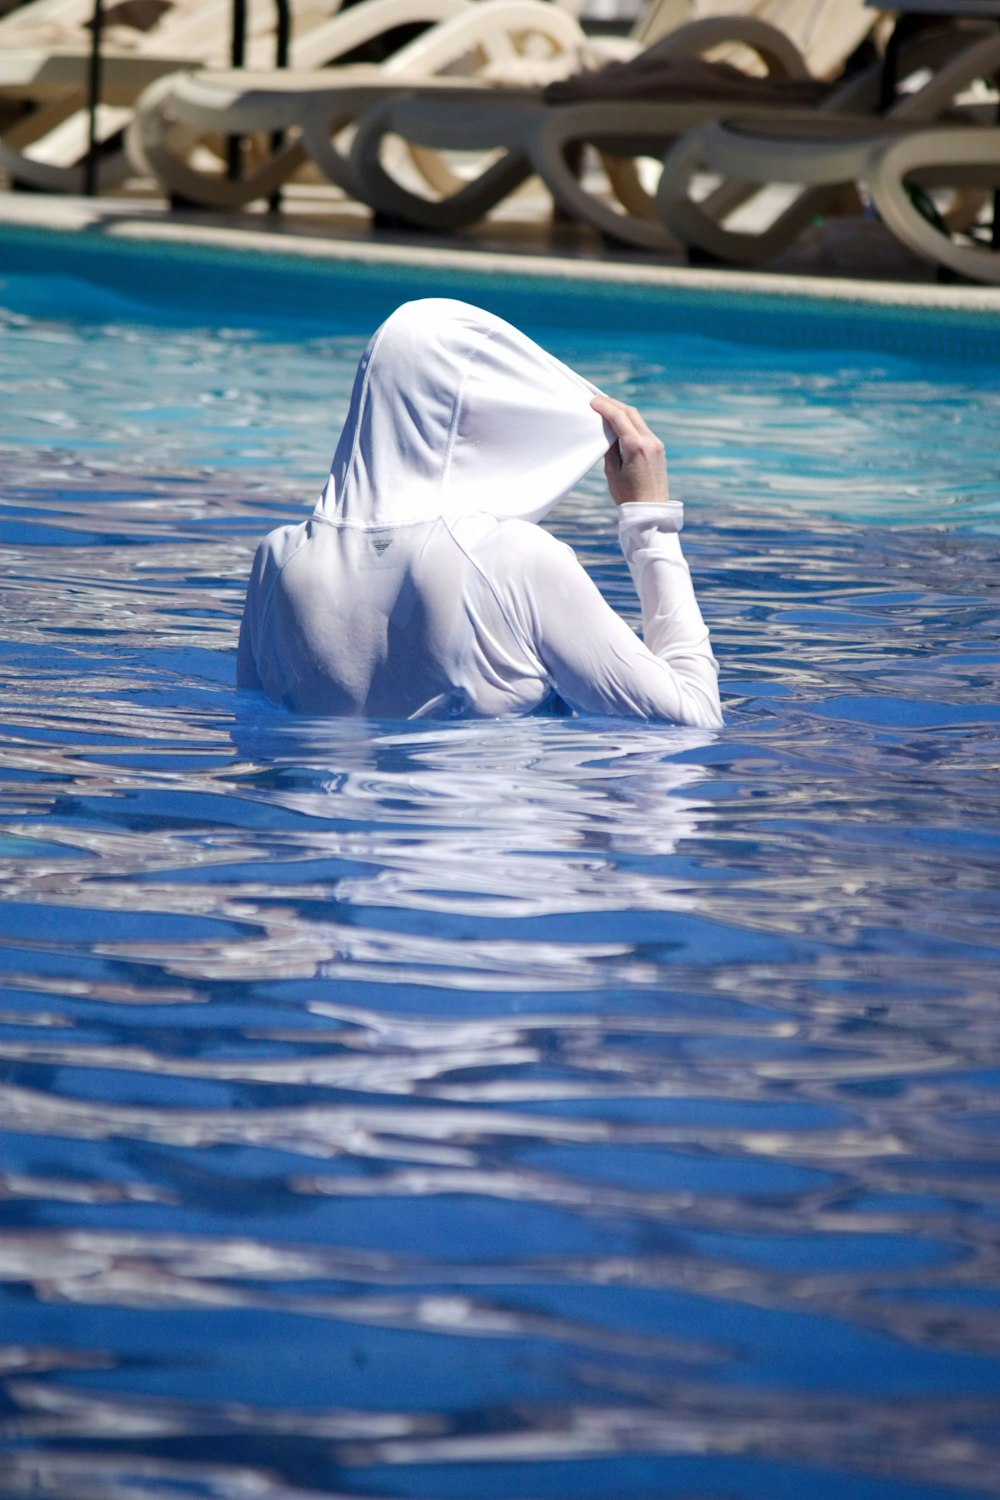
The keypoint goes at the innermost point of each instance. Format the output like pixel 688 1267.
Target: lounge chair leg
pixel 696 255
pixel 277 144
pixel 573 157
pixel 396 224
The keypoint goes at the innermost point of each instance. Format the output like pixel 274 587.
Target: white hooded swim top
pixel 420 586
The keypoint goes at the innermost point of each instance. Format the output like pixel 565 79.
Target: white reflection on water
pixel 526 1108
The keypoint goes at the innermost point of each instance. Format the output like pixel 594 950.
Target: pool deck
pixel 853 261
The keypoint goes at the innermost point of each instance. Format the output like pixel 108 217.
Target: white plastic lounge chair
pixel 45 148
pixel 950 158
pixel 45 144
pixel 533 136
pixel 28 35
pixel 316 109
pixel 549 137
pixel 823 155
pixel 174 115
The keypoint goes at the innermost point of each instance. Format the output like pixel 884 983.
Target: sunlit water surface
pixel 552 1108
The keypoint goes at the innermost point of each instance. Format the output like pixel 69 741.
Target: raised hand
pixel 635 466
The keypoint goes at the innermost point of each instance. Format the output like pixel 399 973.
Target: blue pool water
pixel 542 1109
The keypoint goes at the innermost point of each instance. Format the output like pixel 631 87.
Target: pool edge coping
pixel 120 221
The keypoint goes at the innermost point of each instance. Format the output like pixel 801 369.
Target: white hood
pixel 455 412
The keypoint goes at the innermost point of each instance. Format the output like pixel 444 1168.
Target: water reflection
pixel 544 1108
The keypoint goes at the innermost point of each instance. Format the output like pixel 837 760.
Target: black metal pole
pixel 283 36
pixel 237 55
pixel 93 99
pixel 995 227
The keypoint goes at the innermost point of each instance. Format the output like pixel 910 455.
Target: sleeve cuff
pixel 668 516
pixel 640 522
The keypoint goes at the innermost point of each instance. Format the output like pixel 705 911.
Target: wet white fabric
pixel 421 587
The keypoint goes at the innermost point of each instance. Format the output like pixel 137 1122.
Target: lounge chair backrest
pixel 658 17
pixel 196 28
pixel 44 20
pixel 826 32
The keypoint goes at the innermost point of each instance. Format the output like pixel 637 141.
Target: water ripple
pixel 553 1107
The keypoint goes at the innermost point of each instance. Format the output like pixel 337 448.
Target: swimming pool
pixel 554 1108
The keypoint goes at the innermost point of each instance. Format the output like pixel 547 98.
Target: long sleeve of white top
pixel 593 658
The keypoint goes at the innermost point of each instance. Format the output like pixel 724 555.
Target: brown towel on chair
pixel 652 77
pixel 139 15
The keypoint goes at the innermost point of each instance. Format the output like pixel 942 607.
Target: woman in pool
pixel 421 588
